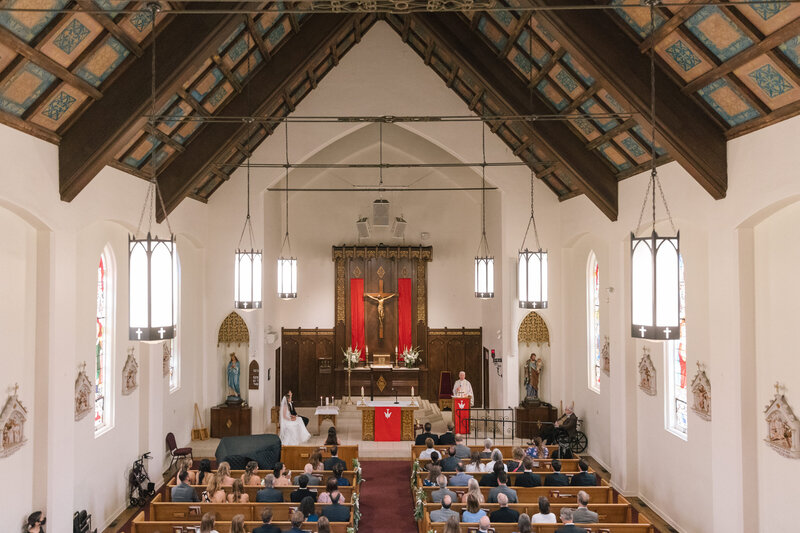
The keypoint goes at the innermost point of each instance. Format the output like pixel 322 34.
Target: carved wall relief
pixel 701 393
pixel 84 399
pixel 130 373
pixel 12 423
pixel 647 373
pixel 783 428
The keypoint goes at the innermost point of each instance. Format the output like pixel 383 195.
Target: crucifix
pixel 379 297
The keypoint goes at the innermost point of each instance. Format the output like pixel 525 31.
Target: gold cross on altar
pixel 379 297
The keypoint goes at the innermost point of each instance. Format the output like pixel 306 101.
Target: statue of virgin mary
pixel 233 379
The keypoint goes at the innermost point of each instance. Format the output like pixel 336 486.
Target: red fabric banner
pixel 357 315
pixel 387 424
pixel 461 415
pixel 403 314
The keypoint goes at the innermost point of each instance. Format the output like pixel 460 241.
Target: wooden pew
pixel 161 511
pixel 550 528
pixel 505 449
pixel 556 495
pixel 140 525
pixel 544 465
pixel 349 475
pixel 251 491
pixel 620 513
pixel 511 475
pixel 296 457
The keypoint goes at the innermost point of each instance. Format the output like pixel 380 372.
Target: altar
pixel 384 420
pixel 384 380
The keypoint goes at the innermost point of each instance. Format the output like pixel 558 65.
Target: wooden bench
pixel 620 513
pixel 140 525
pixel 545 465
pixel 602 494
pixel 296 457
pixel 349 475
pixel 185 511
pixel 512 478
pixel 251 491
pixel 548 528
pixel 505 450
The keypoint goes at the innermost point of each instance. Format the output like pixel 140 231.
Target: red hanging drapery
pixel 357 315
pixel 403 314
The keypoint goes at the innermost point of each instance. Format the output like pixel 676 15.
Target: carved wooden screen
pixel 455 350
pixel 301 351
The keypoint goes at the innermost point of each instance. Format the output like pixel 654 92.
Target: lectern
pixel 461 413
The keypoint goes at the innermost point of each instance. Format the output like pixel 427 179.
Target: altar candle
pixel 362 391
pixel 367 349
pixel 320 400
pixel 326 401
pixel 395 349
pixel 412 391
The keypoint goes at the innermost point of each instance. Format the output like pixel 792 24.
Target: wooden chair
pixel 176 452
pixel 445 390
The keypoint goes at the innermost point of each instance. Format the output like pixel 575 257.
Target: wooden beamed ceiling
pixel 82 80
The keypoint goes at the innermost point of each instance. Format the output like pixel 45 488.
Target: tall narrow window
pixel 676 369
pixel 103 348
pixel 593 321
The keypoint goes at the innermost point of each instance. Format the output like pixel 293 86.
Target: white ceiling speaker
pixel 380 213
pixel 399 227
pixel 362 224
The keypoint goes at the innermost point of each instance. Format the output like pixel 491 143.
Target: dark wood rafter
pixel 593 39
pixel 643 167
pixel 452 33
pixel 105 21
pixel 164 138
pixel 106 126
pixel 22 48
pixel 546 68
pixel 30 128
pixel 672 23
pixel 318 32
pixel 253 31
pixel 227 73
pixel 193 103
pixel 514 34
pixel 610 134
pixel 750 126
pixel 581 99
pixel 143 173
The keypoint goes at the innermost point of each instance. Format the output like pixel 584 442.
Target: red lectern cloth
pixel 387 424
pixel 461 415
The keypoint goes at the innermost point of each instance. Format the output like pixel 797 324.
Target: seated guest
pixel 475 464
pixel 497 457
pixel 426 453
pixel 489 479
pixel 204 472
pixel 523 524
pixel 296 519
pixel 316 461
pixel 484 524
pixel 473 489
pixel 281 476
pixel 515 464
pixel 462 450
pixel 237 523
pixel 537 450
pixel 441 515
pixel 568 527
pixel 337 473
pixel 224 473
pixel 435 462
pixel 433 474
pixel 332 460
pixel 504 514
pixel 207 523
pixel 308 470
pixel 303 491
pixel 437 495
pixel 266 518
pixel 556 479
pixel 422 438
pixel 450 462
pixel 183 492
pixel 567 421
pixel 461 479
pixel 238 495
pixel 528 478
pixel 333 439
pixel 323 525
pixel 250 476
pixel 331 491
pixel 269 493
pixel 473 512
pixel 582 515
pixel 486 453
pixel 34 522
pixel 583 478
pixel 544 516
pixel 448 438
pixel 451 526
pixel 502 488
pixel 307 508
pixel 184 463
pixel 336 512
pixel 214 492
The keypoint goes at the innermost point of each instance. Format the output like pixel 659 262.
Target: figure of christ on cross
pixel 379 297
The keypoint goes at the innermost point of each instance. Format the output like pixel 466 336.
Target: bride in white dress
pixel 293 430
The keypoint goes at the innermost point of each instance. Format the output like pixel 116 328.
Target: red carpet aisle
pixel 386 505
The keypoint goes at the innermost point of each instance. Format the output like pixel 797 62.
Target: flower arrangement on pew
pixel 410 356
pixel 419 506
pixel 357 468
pixel 356 512
pixel 414 470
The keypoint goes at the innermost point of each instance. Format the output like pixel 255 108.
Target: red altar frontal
pixel 387 421
pixel 461 414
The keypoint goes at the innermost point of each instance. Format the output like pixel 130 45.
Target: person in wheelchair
pixel 567 422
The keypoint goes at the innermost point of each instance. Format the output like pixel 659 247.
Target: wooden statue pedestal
pixel 230 421
pixel 534 412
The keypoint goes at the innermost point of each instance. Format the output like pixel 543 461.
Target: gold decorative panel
pixel 533 329
pixel 233 330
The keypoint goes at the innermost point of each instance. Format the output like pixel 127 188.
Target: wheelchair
pixel 575 441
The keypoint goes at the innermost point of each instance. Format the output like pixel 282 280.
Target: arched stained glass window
pixel 593 321
pixel 103 396
pixel 677 419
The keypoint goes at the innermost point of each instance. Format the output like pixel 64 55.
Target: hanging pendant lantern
pixel 287 265
pixel 655 259
pixel 532 269
pixel 484 261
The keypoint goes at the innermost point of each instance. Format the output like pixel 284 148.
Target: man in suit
pixel 449 438
pixel 502 488
pixel 308 471
pixel 567 421
pixel 504 514
pixel 437 495
pixel 527 478
pixel 298 495
pixel 334 459
pixel 336 512
pixel 462 451
pixel 461 479
pixel 420 440
pixel 583 478
pixel 568 527
pixel 484 524
pixel 441 515
pixel 450 463
pixel 183 492
pixel 583 515
pixel 269 493
pixel 266 518
pixel 297 520
pixel 489 479
pixel 556 479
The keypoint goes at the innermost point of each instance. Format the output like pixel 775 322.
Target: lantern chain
pixel 248 223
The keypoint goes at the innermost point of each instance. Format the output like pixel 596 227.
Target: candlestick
pixel 320 400
pixel 395 350
pixel 326 401
pixel 362 391
pixel 412 391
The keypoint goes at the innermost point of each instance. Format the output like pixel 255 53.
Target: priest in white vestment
pixel 462 388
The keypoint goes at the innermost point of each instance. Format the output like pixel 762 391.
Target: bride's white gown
pixel 293 432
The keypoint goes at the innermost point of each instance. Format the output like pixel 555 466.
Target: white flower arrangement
pixel 410 356
pixel 351 356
